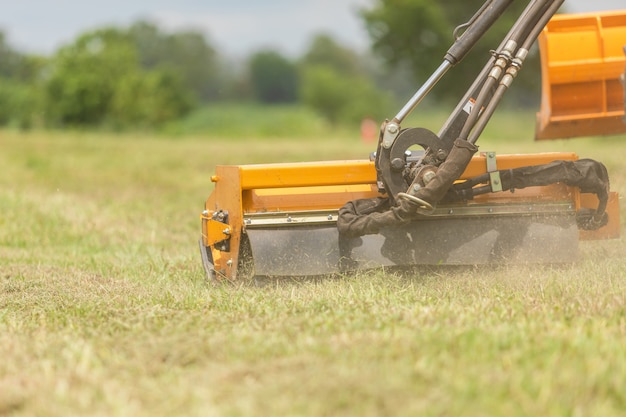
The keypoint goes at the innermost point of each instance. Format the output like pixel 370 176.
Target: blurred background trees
pixel 336 84
pixel 418 33
pixel 273 77
pixel 142 77
pixel 20 76
pixel 122 78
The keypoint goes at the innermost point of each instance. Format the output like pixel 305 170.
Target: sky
pixel 235 27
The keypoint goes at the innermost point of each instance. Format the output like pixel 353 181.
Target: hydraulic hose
pixel 482 21
pixel 520 33
pixel 514 67
pixel 451 128
pixel 588 175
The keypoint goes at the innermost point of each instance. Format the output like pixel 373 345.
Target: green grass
pixel 236 121
pixel 104 309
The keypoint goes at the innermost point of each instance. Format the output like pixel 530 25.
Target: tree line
pixel 143 77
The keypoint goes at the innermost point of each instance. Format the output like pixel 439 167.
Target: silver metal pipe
pixel 423 91
pixel 514 68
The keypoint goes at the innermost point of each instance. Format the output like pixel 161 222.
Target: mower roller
pixel 445 203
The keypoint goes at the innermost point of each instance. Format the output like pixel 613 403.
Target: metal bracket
pixel 390 133
pixel 218 230
pixel 494 174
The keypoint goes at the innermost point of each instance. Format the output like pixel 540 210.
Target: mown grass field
pixel 104 310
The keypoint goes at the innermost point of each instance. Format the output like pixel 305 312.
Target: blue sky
pixel 235 27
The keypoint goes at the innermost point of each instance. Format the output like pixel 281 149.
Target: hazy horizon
pixel 236 28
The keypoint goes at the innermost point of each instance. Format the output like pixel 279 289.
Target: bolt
pixel 289 219
pixel 392 128
pixel 416 188
pixel 205 213
pixel 215 178
pixel 397 164
pixel 428 176
pixel 330 217
pixel 496 182
pixel 226 231
pixel 229 262
pixel 248 221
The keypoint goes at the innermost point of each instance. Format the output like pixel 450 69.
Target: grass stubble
pixel 104 309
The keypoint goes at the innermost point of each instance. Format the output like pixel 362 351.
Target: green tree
pixel 336 82
pixel 273 77
pixel 20 78
pixel 149 99
pixel 324 50
pixel 340 97
pixel 20 104
pixel 10 59
pixel 187 53
pixel 86 74
pixel 419 32
pixel 98 80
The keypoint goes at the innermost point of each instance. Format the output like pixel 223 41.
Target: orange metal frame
pixel 249 189
pixel 582 63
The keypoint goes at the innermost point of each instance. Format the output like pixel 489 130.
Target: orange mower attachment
pixel 446 203
pixel 281 220
pixel 582 67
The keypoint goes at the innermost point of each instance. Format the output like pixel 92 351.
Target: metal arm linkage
pixel 470 117
pixel 413 189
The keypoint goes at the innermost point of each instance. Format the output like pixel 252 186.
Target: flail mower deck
pixel 446 205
